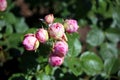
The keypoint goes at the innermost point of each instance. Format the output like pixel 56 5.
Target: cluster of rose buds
pixel 3 5
pixel 56 31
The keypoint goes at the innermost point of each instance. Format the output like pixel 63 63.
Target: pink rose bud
pixel 71 26
pixel 60 48
pixel 30 42
pixel 3 5
pixel 42 35
pixel 56 30
pixel 49 18
pixel 55 60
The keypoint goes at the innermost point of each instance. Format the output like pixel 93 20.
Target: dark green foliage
pixel 95 58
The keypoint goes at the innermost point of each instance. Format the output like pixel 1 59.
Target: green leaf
pixel 41 59
pixel 95 37
pixel 108 51
pixel 2 24
pixel 91 63
pixel 74 65
pixel 31 30
pixel 1 35
pixel 11 5
pixel 111 65
pixel 82 22
pixel 45 77
pixel 9 29
pixel 116 15
pixel 17 76
pixel 48 69
pixel 113 30
pixel 74 45
pixel 113 37
pixel 102 8
pixel 13 40
pixel 119 74
pixel 21 26
pixel 42 76
pixel 9 18
pixel 59 20
pixel 65 12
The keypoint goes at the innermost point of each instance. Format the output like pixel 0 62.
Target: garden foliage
pixel 91 56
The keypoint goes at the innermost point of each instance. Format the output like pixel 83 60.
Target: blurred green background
pixel 95 56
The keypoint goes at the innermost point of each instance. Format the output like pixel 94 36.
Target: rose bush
pixel 81 41
pixel 55 31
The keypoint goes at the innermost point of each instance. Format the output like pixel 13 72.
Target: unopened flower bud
pixel 49 18
pixel 60 48
pixel 42 35
pixel 3 5
pixel 30 42
pixel 56 30
pixel 55 60
pixel 71 26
